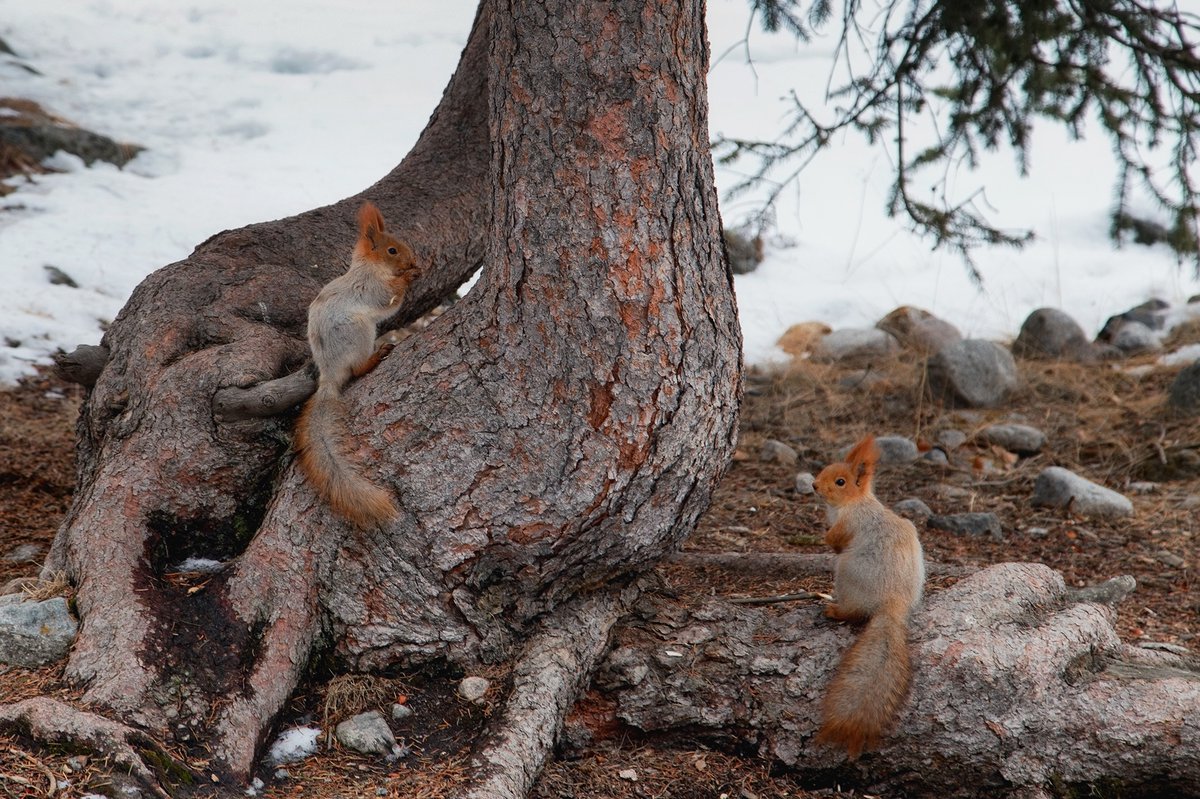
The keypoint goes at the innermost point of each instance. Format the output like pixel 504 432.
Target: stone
pixel 919 330
pixel 1150 314
pixel 1184 394
pixel 973 372
pixel 1051 333
pixel 24 553
pixel 30 130
pixel 853 343
pixel 33 634
pixel 936 456
pixel 896 449
pixel 1057 487
pixel 913 508
pixel 367 733
pixel 950 439
pixel 778 452
pixel 800 338
pixel 804 483
pixel 978 524
pixel 473 689
pixel 400 712
pixel 1134 338
pixel 1019 438
pixel 58 277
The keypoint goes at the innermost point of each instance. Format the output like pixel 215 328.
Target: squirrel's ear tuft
pixel 370 221
pixel 863 457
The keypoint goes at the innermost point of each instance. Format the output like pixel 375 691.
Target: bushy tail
pixel 319 436
pixel 870 685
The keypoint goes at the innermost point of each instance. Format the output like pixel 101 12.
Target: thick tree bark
pixel 559 429
pixel 1020 685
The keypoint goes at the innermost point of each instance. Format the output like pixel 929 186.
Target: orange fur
pixel 879 579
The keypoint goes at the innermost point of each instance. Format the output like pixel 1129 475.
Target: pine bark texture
pixel 559 429
pixel 1019 686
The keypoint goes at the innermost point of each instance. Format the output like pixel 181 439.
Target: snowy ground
pixel 251 113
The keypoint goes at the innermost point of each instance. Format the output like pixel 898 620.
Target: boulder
pixel 1053 334
pixel 972 372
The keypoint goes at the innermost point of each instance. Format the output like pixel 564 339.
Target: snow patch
pixel 293 744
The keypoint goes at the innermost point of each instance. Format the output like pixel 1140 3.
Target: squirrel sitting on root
pixel 879 579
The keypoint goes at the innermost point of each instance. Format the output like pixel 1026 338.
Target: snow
pixel 201 565
pixel 249 114
pixel 295 743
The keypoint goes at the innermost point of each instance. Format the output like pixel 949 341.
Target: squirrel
pixel 879 579
pixel 341 334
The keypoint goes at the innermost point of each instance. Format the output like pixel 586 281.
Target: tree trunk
pixel 558 430
pixel 1020 687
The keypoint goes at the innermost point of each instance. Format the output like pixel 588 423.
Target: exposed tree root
pixel 549 677
pixel 49 721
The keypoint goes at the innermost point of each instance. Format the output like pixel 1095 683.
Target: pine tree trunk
pixel 558 430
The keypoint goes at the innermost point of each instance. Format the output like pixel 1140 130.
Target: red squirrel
pixel 341 334
pixel 879 579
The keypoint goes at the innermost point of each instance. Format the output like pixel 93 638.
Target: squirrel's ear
pixel 864 452
pixel 370 221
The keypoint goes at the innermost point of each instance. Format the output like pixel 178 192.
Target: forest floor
pixel 1108 423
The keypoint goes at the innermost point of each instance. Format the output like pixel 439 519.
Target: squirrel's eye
pixel 392 250
pixel 840 481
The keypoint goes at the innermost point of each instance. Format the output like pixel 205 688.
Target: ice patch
pixel 294 744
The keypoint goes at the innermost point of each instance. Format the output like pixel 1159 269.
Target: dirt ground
pixel 1108 423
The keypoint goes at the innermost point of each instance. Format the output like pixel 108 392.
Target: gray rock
pixel 1037 532
pixel 473 689
pixel 804 483
pixel 1057 487
pixel 1019 438
pixel 950 439
pixel 401 712
pixel 969 524
pixel 58 277
pixel 913 508
pixel 936 456
pixel 24 553
pixel 1143 487
pixel 854 342
pixel 896 449
pixel 1151 314
pixel 919 330
pixel 1135 338
pixel 1051 333
pixel 778 452
pixel 367 733
pixel 973 372
pixel 33 634
pixel 1184 394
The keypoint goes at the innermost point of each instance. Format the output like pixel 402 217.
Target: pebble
pixel 896 449
pixel 937 456
pixel 1019 438
pixel 1037 532
pixel 913 508
pixel 1184 394
pixel 400 711
pixel 804 483
pixel 1057 487
pixel 778 452
pixel 473 689
pixel 950 439
pixel 979 524
pixel 367 733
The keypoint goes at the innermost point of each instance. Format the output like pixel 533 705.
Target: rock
pixel 969 524
pixel 973 372
pixel 31 131
pixel 1143 487
pixel 33 634
pixel 1037 532
pixel 861 380
pixel 936 456
pixel 1051 333
pixel 1019 438
pixel 58 277
pixel 919 330
pixel 1150 314
pixel 799 339
pixel 1184 394
pixel 778 452
pixel 1134 338
pixel 473 689
pixel 950 439
pixel 1057 487
pixel 24 553
pixel 913 508
pixel 952 492
pixel 804 483
pixel 400 712
pixel 896 449
pixel 367 733
pixel 745 252
pixel 1170 559
pixel 853 343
